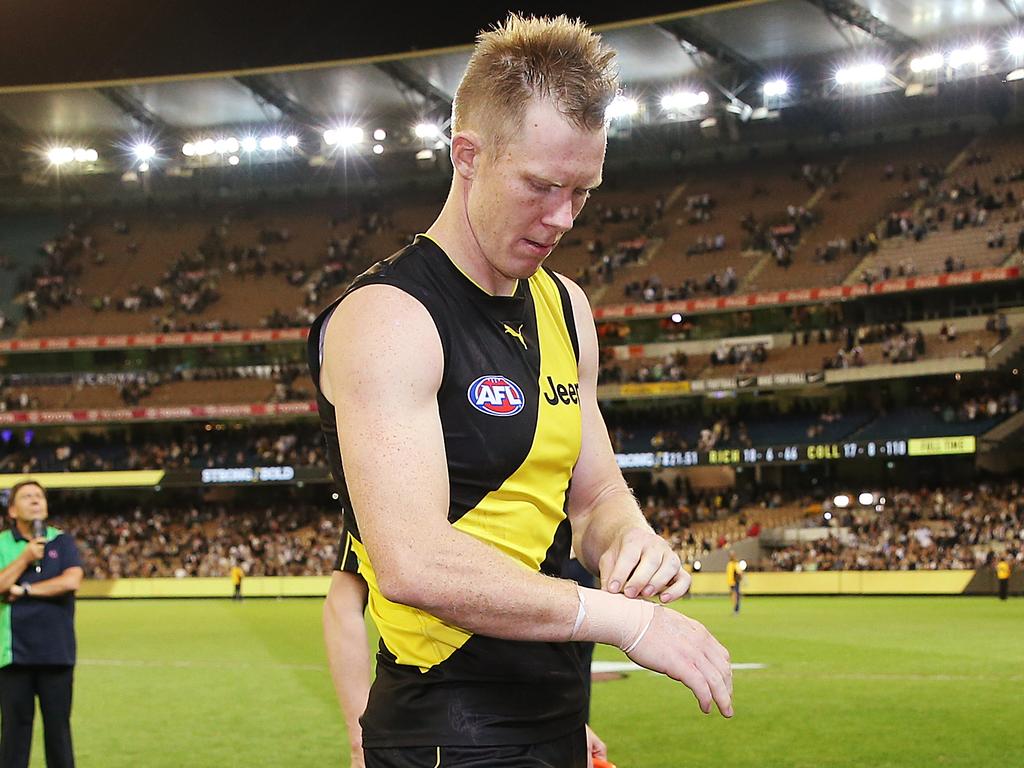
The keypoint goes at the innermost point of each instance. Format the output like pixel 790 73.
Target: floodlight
pixel 348 135
pixel 676 317
pixel 144 151
pixel 842 501
pixel 1017 74
pixel 927 63
pixel 1015 46
pixel 426 131
pixel 976 54
pixel 80 155
pixel 861 74
pixel 91 155
pixel 777 87
pixel 292 141
pixel 380 134
pixel 221 146
pixel 143 167
pixel 271 143
pixel 682 100
pixel 425 154
pixel 742 565
pixel 188 149
pixel 378 149
pixel 696 565
pixel 827 516
pixel 233 160
pixel 621 106
pixel 206 147
pixel 866 498
pixel 249 144
pixel 60 155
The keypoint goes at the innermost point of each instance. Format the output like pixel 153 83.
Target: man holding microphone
pixel 40 571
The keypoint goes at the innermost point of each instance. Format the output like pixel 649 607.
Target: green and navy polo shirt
pixel 39 630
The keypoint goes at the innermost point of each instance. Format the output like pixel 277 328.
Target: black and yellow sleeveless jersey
pixel 510 414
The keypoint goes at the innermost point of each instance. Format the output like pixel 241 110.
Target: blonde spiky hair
pixel 558 59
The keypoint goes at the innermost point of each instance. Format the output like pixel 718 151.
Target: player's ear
pixel 466 152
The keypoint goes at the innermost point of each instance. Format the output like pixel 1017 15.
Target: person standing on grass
pixel 40 571
pixel 1003 576
pixel 237 574
pixel 733 577
pixel 457 392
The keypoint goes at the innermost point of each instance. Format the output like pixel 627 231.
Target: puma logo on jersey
pixel 496 396
pixel 515 334
pixel 562 393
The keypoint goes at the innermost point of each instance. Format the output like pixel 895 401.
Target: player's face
pixel 29 504
pixel 524 200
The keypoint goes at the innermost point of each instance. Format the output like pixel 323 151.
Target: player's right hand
pixel 35 550
pixel 684 650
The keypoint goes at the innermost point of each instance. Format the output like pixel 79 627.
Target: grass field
pixel 870 682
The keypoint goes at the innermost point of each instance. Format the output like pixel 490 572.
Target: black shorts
pixel 565 752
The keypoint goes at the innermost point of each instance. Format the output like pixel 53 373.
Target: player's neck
pixel 24 528
pixel 451 231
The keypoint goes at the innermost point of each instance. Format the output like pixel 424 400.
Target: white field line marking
pixel 199 664
pixel 629 666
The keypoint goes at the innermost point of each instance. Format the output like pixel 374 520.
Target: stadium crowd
pixel 216 446
pixel 947 528
pixel 206 540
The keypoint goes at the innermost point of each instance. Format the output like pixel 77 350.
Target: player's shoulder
pixel 578 300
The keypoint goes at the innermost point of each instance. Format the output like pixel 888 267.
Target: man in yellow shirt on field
pixel 236 581
pixel 1003 575
pixel 733 577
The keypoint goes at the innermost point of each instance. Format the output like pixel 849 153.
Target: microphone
pixel 39 532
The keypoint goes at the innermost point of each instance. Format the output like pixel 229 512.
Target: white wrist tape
pixel 611 619
pixel 580 615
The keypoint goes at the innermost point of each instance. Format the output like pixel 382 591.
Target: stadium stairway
pixel 749 281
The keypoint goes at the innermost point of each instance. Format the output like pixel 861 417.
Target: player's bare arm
pixel 348 655
pixel 610 533
pixel 382 368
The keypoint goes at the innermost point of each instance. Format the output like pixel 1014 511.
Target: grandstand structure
pixel 807 285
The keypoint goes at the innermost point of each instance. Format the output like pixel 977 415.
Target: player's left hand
pixel 642 564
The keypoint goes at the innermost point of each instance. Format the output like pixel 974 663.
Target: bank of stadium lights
pixel 426 131
pixel 867 73
pixel 343 136
pixel 271 143
pixel 65 155
pixel 621 106
pixel 144 152
pixel 230 146
pixel 976 55
pixel 775 88
pixel 681 101
pixel 927 63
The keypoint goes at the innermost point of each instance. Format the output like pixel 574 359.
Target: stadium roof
pixel 168 74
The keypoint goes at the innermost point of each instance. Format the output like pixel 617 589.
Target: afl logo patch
pixel 496 396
